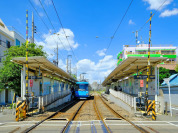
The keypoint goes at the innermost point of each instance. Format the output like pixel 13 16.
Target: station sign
pixel 31 83
pixel 152 76
pixel 140 76
pixel 144 77
pixel 33 77
pixel 141 83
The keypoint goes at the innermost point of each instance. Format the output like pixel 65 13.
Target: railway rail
pixel 99 110
pixel 120 116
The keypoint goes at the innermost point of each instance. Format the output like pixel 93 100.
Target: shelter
pixel 47 82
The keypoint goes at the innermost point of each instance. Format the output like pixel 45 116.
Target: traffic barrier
pixel 17 114
pixel 153 111
pixel 21 110
pixel 149 108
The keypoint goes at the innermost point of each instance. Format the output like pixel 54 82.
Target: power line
pixel 43 22
pixel 152 15
pixel 51 23
pixel 63 29
pixel 117 29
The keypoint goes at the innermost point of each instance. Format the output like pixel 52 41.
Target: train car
pixel 82 90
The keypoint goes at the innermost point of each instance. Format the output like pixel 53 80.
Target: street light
pixel 166 80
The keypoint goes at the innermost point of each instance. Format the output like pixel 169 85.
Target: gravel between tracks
pixel 87 112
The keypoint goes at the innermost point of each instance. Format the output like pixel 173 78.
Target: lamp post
pixel 166 80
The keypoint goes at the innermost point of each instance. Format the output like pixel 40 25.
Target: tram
pixel 82 90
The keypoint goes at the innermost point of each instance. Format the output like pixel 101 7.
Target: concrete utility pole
pixel 26 66
pixel 32 28
pixel 69 64
pixel 136 36
pixel 57 55
pixel 148 66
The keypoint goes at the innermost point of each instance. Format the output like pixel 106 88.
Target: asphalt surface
pixel 92 126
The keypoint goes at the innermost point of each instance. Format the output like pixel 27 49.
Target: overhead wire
pixel 152 15
pixel 63 29
pixel 43 22
pixel 117 29
pixel 51 23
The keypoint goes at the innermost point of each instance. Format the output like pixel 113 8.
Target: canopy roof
pixel 129 66
pixel 45 66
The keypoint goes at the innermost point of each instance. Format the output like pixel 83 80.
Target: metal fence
pixel 128 99
pixel 47 99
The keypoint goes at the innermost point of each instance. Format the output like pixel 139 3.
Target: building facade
pixel 141 50
pixel 8 37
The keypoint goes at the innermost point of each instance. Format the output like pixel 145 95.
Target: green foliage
pixel 74 76
pixel 10 73
pixel 163 73
pixel 176 69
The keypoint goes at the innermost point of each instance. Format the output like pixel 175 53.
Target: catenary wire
pixel 63 29
pixel 117 29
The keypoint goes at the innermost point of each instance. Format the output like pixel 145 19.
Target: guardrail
pixel 128 99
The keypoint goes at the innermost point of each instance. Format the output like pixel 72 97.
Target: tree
pixel 10 73
pixel 74 76
pixel 163 73
pixel 176 69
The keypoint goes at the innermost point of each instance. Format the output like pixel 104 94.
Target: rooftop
pixel 45 65
pixel 129 66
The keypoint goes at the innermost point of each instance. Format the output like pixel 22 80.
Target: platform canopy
pixel 129 66
pixel 45 66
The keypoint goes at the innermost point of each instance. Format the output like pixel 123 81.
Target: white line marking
pixel 172 124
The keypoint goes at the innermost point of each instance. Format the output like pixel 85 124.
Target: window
pixel 17 42
pixel 8 44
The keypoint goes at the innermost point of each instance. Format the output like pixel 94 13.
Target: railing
pixel 47 99
pixel 128 99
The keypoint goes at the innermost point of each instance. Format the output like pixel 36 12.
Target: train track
pixel 120 116
pixel 100 109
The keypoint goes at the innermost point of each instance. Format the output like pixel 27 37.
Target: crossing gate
pixel 21 109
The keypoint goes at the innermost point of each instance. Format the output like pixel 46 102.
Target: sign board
pixel 152 76
pixel 144 77
pixel 141 83
pixel 33 77
pixel 140 76
pixel 31 83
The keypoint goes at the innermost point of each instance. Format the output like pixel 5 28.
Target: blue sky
pixel 83 20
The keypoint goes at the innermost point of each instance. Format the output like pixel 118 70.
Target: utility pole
pixel 57 55
pixel 32 28
pixel 69 64
pixel 26 66
pixel 148 66
pixel 136 36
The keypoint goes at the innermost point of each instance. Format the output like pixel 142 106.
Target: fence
pixel 47 99
pixel 128 99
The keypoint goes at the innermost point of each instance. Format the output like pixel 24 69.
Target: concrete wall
pixel 3 98
pixel 174 94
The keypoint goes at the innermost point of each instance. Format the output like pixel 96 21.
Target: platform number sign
pixel 141 83
pixel 31 83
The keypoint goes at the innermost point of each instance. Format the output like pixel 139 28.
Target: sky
pixel 89 26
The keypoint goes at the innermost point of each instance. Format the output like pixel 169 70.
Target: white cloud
pixel 155 4
pixel 41 14
pixel 131 22
pixel 168 13
pixel 37 2
pixel 47 2
pixel 101 52
pixel 97 71
pixel 51 40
